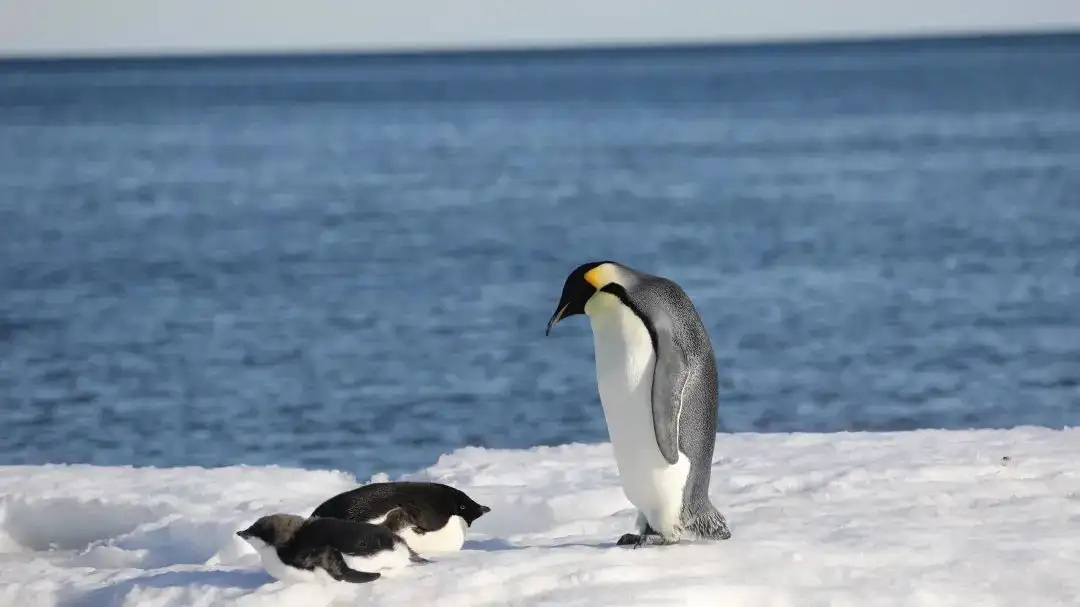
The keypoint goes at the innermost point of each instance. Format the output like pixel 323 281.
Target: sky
pixel 119 27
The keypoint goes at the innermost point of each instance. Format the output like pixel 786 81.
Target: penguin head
pixel 460 504
pixel 272 530
pixel 580 286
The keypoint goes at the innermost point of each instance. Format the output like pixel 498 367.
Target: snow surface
pixel 916 518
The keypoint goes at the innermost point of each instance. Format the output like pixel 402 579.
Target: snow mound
pixel 913 518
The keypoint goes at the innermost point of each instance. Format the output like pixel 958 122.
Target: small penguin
pixel 295 549
pixel 656 375
pixel 432 518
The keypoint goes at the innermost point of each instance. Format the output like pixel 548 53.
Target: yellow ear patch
pixel 600 275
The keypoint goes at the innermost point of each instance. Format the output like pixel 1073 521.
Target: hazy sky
pixel 46 27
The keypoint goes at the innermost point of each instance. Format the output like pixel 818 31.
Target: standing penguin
pixel 656 374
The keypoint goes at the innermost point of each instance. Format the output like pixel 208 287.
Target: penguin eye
pixel 461 507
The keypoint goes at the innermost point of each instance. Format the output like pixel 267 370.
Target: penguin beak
pixel 484 509
pixel 555 319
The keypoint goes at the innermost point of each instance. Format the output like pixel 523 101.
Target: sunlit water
pixel 347 262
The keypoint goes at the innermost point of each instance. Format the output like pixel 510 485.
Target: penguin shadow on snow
pixel 243 579
pixel 490 545
pixel 500 545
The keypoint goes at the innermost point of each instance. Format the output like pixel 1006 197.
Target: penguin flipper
pixel 409 517
pixel 670 375
pixel 397 519
pixel 336 567
pixel 417 559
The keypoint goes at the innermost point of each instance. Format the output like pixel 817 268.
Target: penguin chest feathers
pixel 625 361
pixel 624 350
pixel 450 538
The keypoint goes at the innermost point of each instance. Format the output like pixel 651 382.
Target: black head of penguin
pixel 462 505
pixel 579 287
pixel 273 530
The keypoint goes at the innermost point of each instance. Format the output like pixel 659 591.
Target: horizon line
pixel 552 48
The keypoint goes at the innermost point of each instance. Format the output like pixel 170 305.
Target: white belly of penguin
pixel 287 573
pixel 441 541
pixel 386 562
pixel 624 375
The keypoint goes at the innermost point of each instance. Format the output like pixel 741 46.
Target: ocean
pixel 349 261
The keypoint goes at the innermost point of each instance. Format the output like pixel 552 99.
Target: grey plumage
pixel 685 390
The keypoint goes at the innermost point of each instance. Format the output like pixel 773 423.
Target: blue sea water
pixel 350 261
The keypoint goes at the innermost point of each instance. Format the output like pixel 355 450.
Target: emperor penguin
pixel 656 375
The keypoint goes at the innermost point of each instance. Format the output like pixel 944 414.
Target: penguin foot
pixel 633 539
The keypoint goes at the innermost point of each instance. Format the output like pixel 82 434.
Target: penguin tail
pixel 710 525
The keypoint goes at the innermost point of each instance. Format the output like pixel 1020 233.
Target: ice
pixel 988 517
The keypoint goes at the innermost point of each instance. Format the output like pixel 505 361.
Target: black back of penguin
pixel 424 505
pixel 322 543
pixel 347 537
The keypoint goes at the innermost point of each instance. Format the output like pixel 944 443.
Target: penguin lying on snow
pixel 656 374
pixel 295 549
pixel 432 518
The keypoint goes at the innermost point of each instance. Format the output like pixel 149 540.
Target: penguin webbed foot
pixel 637 540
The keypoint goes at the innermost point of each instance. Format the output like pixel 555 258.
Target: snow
pixel 914 518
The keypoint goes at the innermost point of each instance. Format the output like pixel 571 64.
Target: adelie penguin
pixel 295 549
pixel 656 374
pixel 432 518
